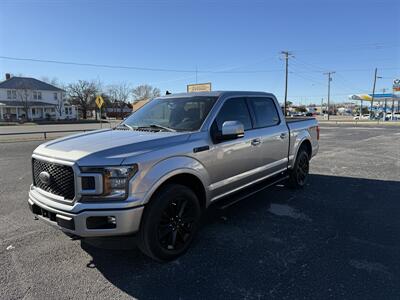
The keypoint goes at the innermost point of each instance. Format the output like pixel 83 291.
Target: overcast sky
pixel 233 44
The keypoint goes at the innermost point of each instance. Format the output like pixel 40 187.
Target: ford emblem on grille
pixel 45 177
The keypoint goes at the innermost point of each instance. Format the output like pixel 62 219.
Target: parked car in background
pixel 363 117
pixel 396 116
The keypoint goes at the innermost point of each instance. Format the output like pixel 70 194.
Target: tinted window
pixel 265 112
pixel 181 114
pixel 234 110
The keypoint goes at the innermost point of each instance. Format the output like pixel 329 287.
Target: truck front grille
pixel 61 181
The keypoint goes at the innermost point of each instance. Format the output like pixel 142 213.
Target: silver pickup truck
pixel 157 171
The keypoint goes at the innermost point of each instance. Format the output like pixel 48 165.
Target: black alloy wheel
pixel 302 169
pixel 169 222
pixel 299 174
pixel 176 224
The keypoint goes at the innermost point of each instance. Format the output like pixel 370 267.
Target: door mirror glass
pixel 232 130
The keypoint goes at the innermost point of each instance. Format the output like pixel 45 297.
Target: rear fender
pixel 299 138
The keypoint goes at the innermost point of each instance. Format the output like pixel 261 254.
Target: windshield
pixel 172 114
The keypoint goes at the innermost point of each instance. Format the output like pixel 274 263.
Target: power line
pixel 171 70
pixel 309 66
pixel 297 73
pixel 371 46
pixel 132 67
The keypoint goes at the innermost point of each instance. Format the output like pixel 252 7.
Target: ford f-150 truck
pixel 155 173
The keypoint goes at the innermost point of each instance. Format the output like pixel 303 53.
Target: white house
pixel 39 99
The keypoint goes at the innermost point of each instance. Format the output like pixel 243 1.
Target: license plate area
pixel 64 222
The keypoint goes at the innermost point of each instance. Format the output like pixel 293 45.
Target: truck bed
pixel 300 127
pixel 297 119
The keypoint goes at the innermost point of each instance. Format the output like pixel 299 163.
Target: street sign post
pixel 100 102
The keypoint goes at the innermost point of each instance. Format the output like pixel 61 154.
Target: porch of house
pixel 35 112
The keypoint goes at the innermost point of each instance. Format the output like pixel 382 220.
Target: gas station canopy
pixel 368 97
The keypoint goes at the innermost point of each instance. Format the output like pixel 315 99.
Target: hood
pixel 108 147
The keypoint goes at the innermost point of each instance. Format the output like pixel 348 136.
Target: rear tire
pixel 169 223
pixel 299 174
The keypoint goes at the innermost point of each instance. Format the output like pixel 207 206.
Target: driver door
pixel 232 161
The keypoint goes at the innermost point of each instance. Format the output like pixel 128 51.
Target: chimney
pixel 8 76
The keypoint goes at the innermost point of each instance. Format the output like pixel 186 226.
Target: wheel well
pixel 190 181
pixel 307 146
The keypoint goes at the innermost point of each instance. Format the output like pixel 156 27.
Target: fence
pixel 44 132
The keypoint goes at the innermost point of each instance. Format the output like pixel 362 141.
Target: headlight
pixel 115 182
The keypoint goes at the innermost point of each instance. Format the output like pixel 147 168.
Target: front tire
pixel 169 223
pixel 299 174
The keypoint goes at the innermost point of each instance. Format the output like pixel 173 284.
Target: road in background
pixel 49 128
pixel 337 238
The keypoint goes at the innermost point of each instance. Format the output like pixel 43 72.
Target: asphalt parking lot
pixel 337 238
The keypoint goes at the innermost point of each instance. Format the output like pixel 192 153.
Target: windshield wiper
pixel 126 125
pixel 157 126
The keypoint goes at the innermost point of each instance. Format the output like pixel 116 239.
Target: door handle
pixel 282 136
pixel 255 142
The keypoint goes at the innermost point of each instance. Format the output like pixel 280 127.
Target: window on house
pixel 66 110
pixel 11 94
pixel 37 95
pixel 33 111
pixel 55 96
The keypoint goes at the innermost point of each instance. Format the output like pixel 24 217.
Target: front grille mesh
pixel 62 178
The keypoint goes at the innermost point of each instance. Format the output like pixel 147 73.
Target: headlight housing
pixel 115 182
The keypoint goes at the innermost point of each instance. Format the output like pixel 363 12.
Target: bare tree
pixel 53 81
pixel 119 95
pixel 83 93
pixel 24 94
pixel 60 102
pixel 113 96
pixel 145 91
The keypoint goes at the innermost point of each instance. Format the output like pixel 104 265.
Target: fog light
pixel 111 220
pixel 101 222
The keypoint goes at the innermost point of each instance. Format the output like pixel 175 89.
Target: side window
pixel 234 109
pixel 265 112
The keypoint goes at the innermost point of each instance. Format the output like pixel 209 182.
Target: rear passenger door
pixel 272 133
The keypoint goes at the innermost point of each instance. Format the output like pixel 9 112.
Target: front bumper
pixel 90 223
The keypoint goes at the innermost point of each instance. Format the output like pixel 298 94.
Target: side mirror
pixel 232 130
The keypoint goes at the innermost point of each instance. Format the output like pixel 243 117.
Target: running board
pixel 232 199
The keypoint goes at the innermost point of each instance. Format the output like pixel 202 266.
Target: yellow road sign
pixel 99 101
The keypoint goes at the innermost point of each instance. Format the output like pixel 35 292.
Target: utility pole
pixel 322 104
pixel 384 110
pixel 329 88
pixel 373 92
pixel 286 54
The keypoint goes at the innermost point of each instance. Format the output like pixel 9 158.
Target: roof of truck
pixel 216 94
